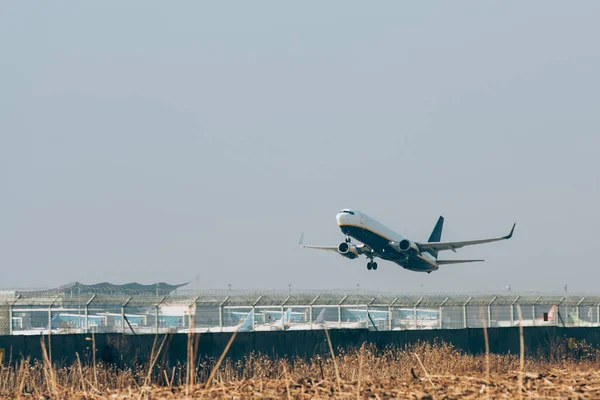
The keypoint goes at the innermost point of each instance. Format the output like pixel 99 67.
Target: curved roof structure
pixel 128 289
pixel 160 288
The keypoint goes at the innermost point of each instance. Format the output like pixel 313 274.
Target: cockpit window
pixel 347 212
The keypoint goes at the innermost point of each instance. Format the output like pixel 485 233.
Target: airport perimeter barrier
pixel 28 313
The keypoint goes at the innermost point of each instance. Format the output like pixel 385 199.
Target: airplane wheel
pixel 369 266
pixel 374 266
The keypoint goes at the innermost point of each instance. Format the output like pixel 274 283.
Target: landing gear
pixel 348 239
pixel 371 265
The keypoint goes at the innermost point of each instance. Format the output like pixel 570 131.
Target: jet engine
pixel 348 250
pixel 405 246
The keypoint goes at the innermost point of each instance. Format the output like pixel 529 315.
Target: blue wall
pixel 125 349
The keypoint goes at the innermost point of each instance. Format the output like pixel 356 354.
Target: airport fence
pixel 27 313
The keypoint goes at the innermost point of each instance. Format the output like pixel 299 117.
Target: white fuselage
pixel 362 220
pixel 379 237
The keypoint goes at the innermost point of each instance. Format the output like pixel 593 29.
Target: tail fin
pixel 320 318
pixel 246 324
pixel 552 313
pixel 288 317
pixel 436 234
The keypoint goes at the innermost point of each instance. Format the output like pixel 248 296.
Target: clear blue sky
pixel 151 141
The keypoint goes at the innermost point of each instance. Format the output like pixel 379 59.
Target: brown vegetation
pixel 422 370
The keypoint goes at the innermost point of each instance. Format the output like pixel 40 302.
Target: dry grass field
pixel 423 370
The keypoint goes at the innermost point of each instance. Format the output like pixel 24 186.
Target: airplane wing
pixel 360 248
pixel 439 246
pixel 442 262
pixel 301 243
pixel 330 248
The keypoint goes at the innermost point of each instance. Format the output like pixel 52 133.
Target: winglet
pixel 301 241
pixel 511 232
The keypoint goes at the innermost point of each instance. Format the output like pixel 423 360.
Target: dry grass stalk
pixel 23 372
pixel 424 370
pixel 50 340
pixel 94 359
pixel 49 370
pixel 216 367
pixel 487 354
pixel 80 370
pixel 361 358
pixel 287 383
pixel 190 363
pixel 337 370
pixel 153 360
pixel 521 352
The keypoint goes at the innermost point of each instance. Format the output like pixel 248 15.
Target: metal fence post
pixel 441 312
pixel 489 310
pixel 50 315
pixel 123 315
pixel 512 310
pixel 10 314
pixel 533 309
pixel 367 312
pixel 465 312
pixel 557 309
pixel 221 313
pixel 578 305
pixel 254 312
pixel 87 304
pixel 157 316
pixel 283 319
pixel 415 311
pixel 340 311
pixel 194 305
pixel 390 313
pixel 310 311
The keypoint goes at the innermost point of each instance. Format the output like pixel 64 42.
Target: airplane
pixel 357 321
pixel 244 326
pixel 551 321
pixel 318 323
pixel 378 241
pixel 580 322
pixel 278 323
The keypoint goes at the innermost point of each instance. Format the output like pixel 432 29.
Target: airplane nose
pixel 346 218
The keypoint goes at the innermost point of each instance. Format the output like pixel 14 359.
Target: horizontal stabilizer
pixel 442 262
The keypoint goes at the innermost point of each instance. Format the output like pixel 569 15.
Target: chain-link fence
pixel 23 313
